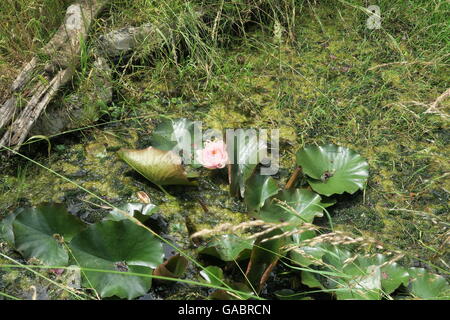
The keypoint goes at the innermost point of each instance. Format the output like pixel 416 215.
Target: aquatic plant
pixel 119 256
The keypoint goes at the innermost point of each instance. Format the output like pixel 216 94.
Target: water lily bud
pixel 143 197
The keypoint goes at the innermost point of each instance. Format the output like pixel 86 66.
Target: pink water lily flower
pixel 214 155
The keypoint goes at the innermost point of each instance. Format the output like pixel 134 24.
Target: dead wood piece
pixel 7 111
pixel 70 114
pixel 24 76
pixel 64 49
pixel 19 129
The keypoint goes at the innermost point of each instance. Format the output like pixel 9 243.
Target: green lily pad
pixel 296 206
pixel 119 246
pixel 140 211
pixel 258 189
pixel 428 286
pixel 227 247
pixel 158 166
pixel 41 233
pixel 246 158
pixel 333 169
pixel 353 279
pixel 361 287
pixel 392 274
pixel 335 256
pixel 362 276
pixel 170 133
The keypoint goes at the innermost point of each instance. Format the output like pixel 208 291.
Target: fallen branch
pixel 46 78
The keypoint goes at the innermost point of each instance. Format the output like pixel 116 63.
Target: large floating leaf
pixel 140 211
pixel 170 133
pixel 293 205
pixel 117 246
pixel 352 280
pixel 160 167
pixel 41 233
pixel 246 157
pixel 227 247
pixel 359 277
pixel 364 286
pixel 333 169
pixel 258 189
pixel 392 274
pixel 428 286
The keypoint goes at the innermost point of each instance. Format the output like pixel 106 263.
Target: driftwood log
pixel 39 80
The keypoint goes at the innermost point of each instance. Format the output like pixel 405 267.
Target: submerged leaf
pixel 333 169
pixel 158 166
pixel 118 246
pixel 41 233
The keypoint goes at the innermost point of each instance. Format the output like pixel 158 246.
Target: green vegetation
pixel 309 68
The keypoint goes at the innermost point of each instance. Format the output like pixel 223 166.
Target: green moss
pixel 317 89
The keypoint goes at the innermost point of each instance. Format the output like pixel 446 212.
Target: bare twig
pixel 293 178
